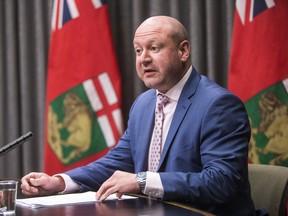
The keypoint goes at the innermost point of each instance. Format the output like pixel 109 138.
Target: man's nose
pixel 146 57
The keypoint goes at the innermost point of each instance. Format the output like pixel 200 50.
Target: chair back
pixel 269 188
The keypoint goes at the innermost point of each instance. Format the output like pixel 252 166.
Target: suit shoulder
pixel 144 98
pixel 209 87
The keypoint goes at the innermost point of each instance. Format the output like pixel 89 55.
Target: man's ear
pixel 184 50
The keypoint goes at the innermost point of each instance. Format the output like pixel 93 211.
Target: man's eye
pixel 138 51
pixel 154 48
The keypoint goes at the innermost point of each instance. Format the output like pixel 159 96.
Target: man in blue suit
pixel 204 141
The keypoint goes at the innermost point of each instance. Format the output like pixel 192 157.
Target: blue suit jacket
pixel 204 160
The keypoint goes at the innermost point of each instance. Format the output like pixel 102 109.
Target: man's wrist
pixel 60 183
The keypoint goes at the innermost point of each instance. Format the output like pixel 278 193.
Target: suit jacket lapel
pixel 184 102
pixel 145 135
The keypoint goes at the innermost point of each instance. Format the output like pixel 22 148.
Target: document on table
pixel 74 198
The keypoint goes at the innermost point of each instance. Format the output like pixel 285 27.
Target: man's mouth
pixel 149 70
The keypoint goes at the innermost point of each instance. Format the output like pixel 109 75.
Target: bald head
pixel 170 25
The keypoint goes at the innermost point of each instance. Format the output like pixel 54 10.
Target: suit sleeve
pixel 91 176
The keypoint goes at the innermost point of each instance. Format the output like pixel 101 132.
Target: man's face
pixel 158 59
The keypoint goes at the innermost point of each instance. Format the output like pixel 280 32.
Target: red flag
pixel 83 100
pixel 258 75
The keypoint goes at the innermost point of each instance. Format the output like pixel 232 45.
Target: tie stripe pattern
pixel 156 145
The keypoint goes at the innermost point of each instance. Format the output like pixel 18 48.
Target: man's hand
pixel 41 184
pixel 120 182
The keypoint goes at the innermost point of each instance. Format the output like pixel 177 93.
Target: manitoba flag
pixel 83 115
pixel 258 74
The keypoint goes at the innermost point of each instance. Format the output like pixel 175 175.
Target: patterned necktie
pixel 156 145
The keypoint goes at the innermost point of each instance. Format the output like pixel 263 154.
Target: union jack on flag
pixel 68 10
pixel 256 7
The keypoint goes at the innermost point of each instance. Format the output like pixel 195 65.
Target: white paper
pixel 38 202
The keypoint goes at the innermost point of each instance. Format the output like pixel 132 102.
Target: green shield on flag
pixel 268 115
pixel 73 131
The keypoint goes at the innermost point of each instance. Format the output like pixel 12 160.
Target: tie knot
pixel 162 100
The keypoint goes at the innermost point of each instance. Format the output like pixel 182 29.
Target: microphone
pixel 15 143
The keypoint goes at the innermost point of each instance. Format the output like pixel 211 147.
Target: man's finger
pixel 31 191
pixel 35 182
pixel 108 192
pixel 104 188
pixel 119 195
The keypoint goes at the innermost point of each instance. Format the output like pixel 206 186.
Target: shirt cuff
pixel 70 185
pixel 153 187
